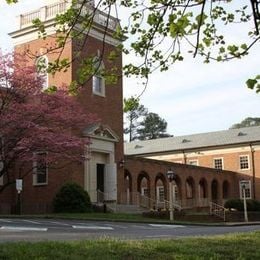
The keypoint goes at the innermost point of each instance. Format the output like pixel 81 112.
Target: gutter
pixel 253 167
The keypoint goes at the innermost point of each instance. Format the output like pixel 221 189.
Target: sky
pixel 192 97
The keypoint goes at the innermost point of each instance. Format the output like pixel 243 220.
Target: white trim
pixel 248 189
pixel 102 91
pixel 248 162
pixel 98 81
pixel 35 173
pixel 158 193
pixel 144 191
pixel 222 162
pixel 30 34
pixel 43 72
pixel 173 155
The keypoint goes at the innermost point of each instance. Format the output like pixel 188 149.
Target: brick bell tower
pixel 102 168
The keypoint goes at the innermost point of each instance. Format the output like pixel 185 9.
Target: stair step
pixel 124 208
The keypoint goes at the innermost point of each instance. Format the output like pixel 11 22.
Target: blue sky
pixel 192 97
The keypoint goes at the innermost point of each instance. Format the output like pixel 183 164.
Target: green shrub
pixel 234 204
pixel 71 198
pixel 238 204
pixel 253 205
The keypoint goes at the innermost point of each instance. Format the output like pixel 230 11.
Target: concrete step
pixel 124 208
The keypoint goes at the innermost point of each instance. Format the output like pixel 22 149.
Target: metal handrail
pixel 175 205
pixel 217 210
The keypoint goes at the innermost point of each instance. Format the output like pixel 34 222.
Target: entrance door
pixel 100 176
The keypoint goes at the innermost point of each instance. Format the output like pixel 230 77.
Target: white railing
pixel 54 9
pixel 29 17
pixel 105 196
pixel 48 12
pixel 217 210
pixel 135 198
pixel 175 205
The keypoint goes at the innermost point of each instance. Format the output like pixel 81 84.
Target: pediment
pixel 100 131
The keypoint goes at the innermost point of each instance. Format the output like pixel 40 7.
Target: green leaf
pixel 251 83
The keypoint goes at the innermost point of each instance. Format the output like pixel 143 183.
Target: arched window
pixel 98 81
pixel 42 66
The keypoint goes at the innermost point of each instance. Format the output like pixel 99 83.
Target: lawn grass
pixel 235 246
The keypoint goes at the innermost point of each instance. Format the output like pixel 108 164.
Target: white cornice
pixel 28 34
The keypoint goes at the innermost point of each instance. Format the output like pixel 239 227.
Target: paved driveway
pixel 55 229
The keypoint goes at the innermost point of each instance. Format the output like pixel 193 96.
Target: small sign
pixel 19 185
pixel 245 184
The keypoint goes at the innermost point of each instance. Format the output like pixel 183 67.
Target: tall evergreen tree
pixel 134 112
pixel 152 127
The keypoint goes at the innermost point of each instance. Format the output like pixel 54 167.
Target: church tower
pixel 102 168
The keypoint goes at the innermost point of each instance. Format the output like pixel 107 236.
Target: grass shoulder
pixel 232 246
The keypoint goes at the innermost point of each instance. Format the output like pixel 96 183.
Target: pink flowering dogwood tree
pixel 33 121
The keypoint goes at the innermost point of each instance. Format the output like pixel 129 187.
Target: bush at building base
pixel 238 204
pixel 71 198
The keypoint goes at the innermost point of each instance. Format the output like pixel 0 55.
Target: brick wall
pixel 153 170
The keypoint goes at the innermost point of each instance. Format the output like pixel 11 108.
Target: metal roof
pixel 187 142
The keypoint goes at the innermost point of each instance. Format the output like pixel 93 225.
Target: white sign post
pixel 245 185
pixel 19 188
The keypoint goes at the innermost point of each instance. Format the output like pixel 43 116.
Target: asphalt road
pixel 12 230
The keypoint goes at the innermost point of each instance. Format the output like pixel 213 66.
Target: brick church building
pixel 107 174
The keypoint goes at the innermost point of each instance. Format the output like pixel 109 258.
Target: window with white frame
pixel 42 66
pixel 245 188
pixel 193 162
pixel 144 191
pixel 98 81
pixel 40 168
pixel 218 163
pixel 160 193
pixel 244 162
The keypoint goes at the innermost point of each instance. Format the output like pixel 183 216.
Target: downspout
pixel 253 167
pixel 184 157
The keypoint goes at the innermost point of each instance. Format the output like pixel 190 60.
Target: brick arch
pixel 226 189
pixel 179 188
pixel 128 180
pixel 160 180
pixel 190 188
pixel 214 190
pixel 141 179
pixel 203 188
pixel 126 197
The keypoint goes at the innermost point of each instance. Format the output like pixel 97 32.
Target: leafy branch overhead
pixel 161 33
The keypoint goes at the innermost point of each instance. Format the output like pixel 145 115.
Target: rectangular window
pixel 98 86
pixel 193 162
pixel 244 162
pixel 218 163
pixel 245 188
pixel 144 191
pixel 160 193
pixel 40 169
